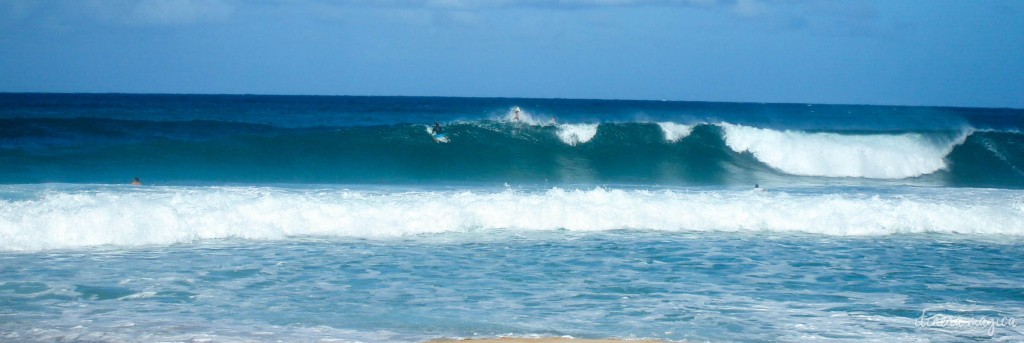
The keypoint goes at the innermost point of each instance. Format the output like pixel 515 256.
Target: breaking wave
pixel 879 156
pixel 66 218
pixel 529 150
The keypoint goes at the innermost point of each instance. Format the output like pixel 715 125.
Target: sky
pixel 965 53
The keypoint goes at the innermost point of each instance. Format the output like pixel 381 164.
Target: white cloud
pixel 179 12
pixel 565 4
pixel 150 12
pixel 749 8
pixel 596 3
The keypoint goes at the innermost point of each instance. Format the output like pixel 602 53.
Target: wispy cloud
pixel 544 4
pixel 160 12
pixel 67 14
pixel 176 12
pixel 829 17
pixel 749 8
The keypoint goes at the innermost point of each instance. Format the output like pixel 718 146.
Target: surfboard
pixel 440 138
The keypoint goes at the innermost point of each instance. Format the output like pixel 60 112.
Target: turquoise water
pixel 278 218
pixel 694 286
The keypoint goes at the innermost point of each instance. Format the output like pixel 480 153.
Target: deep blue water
pixel 293 218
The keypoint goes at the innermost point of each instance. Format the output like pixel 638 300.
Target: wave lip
pixel 573 134
pixel 169 215
pixel 876 156
pixel 674 132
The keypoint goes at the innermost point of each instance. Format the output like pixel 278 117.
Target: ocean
pixel 339 218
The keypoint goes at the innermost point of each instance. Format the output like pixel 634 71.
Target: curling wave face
pixel 880 156
pixel 52 217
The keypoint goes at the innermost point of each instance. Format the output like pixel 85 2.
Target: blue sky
pixel 899 52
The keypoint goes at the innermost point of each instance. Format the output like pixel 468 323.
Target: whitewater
pixel 295 218
pixel 58 218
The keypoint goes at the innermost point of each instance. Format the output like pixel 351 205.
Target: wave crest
pixel 878 156
pixel 674 132
pixel 574 134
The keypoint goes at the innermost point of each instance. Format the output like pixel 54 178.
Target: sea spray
pixel 674 132
pixel 573 134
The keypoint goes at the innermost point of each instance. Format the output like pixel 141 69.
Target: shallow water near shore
pixel 624 284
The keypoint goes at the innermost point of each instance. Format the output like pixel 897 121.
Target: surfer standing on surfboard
pixel 436 129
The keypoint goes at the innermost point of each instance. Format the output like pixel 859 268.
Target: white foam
pixel 574 134
pixel 879 156
pixel 674 132
pixel 67 219
pixel 140 295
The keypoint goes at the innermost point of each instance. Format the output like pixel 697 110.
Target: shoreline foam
pixel 541 340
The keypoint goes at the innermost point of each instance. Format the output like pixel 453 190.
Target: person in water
pixel 517 114
pixel 136 182
pixel 437 129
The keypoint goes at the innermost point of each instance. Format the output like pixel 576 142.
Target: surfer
pixel 516 118
pixel 438 134
pixel 136 182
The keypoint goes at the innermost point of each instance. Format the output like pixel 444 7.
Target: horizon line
pixel 512 97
